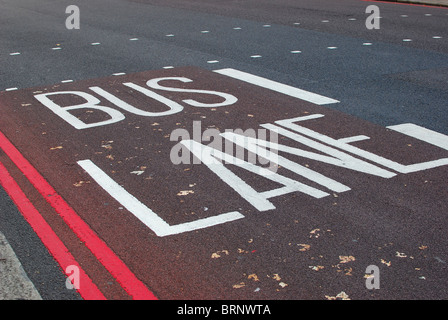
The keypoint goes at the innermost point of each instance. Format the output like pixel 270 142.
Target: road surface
pixel 119 141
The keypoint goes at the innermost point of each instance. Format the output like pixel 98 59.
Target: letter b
pixel 92 103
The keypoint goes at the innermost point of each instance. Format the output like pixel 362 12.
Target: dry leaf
pixel 239 285
pixel 345 259
pixel 304 247
pixel 253 276
pixel 217 254
pixel 184 192
pixel 385 262
pixel 340 296
pixel 277 277
pixel 316 268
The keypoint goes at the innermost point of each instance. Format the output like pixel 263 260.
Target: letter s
pixel 228 98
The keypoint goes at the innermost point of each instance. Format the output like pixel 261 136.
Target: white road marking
pixel 276 86
pixel 332 48
pixel 296 51
pixel 66 81
pixel 11 89
pixel 56 48
pixel 145 214
pixel 95 43
pixel 212 61
pixel 256 56
pixel 133 39
pixel 119 74
pixel 367 44
pixel 407 40
pixel 437 37
pixel 14 53
pixel 432 137
pixel 354 139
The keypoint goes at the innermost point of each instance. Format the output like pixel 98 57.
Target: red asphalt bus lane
pixel 100 153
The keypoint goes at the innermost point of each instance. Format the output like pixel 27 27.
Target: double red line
pixel 115 266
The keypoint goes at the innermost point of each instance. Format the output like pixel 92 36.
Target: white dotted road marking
pixel 66 81
pixel 256 56
pixel 95 43
pixel 119 74
pixel 237 28
pixel 367 44
pixel 212 61
pixel 14 53
pixel 407 40
pixel 169 35
pixel 133 39
pixel 168 67
pixel 11 89
pixel 325 21
pixel 332 48
pixel 205 31
pixel 56 48
pixel 437 37
pixel 296 51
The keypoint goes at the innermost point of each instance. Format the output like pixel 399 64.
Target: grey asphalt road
pixel 397 74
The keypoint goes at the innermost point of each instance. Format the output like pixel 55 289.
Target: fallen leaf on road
pixel 340 296
pixel 184 192
pixel 345 259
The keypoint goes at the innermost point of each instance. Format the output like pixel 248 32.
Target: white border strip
pixel 438 139
pixel 145 214
pixel 276 86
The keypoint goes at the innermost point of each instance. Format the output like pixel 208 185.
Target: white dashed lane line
pixel 255 56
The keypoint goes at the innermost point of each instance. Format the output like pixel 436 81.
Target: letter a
pixel 373 21
pixel 73 20
pixel 373 281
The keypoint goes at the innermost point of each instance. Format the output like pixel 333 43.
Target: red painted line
pixel 117 268
pixel 87 289
pixel 408 4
